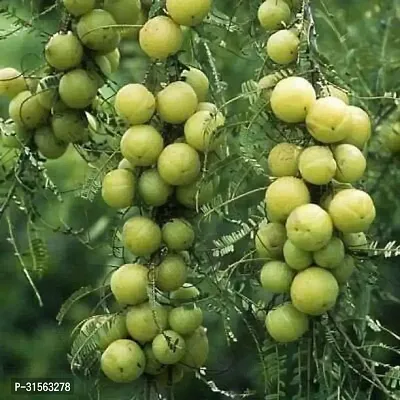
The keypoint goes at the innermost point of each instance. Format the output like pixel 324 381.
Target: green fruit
pixel 16 138
pixel 12 82
pixel 141 236
pixel 118 188
pixel 171 273
pixel 295 257
pixel 70 126
pixel 177 102
pixel 178 234
pixel 47 143
pixel 286 324
pixel 63 51
pixel 284 195
pixel 179 164
pixel 195 194
pixel 185 319
pixel 171 376
pixel 186 293
pixel 351 163
pixel 160 37
pixel 114 58
pixel 283 160
pixel 141 145
pixel 153 190
pixel 197 349
pixel 129 284
pixel 358 127
pixel 188 13
pixel 344 270
pixel 314 291
pixel 331 255
pixel 390 134
pixel 274 14
pixel 355 241
pixel 135 104
pixel 292 99
pixel 125 12
pixel 168 347
pixel 79 7
pixel 309 227
pixel 317 165
pixel 47 92
pixel 123 361
pixel 352 211
pixel 153 366
pixel 145 321
pixel 283 47
pixel 334 91
pixel 269 240
pixel 198 81
pixel 276 277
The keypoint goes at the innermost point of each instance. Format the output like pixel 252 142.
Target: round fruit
pixel 118 188
pixel 47 92
pixel 47 143
pixel 355 241
pixel 188 13
pixel 78 88
pixel 26 111
pixel 309 227
pixel 344 270
pixel 352 211
pixel 286 324
pixel 276 277
pixel 125 164
pixel 334 91
pixel 270 239
pixel 292 98
pixel 284 195
pixel 331 255
pixel 177 102
pixel 12 82
pixel 125 12
pixel 135 103
pixel 273 14
pixel 114 58
pixel 328 119
pixel 97 32
pixel 79 7
pixel 317 165
pixel 160 37
pixel 153 366
pixel 267 83
pixel 185 293
pixel 141 236
pixel 63 51
pixel 141 145
pixel 145 321
pixel 295 257
pixel 123 361
pixel 179 164
pixel 197 349
pixel 391 137
pixel 172 375
pixel 70 126
pixel 178 234
pixel 129 284
pixel 195 194
pixel 359 127
pixel 283 159
pixel 111 329
pixel 283 46
pixel 171 273
pixel 168 347
pixel 198 81
pixel 351 163
pixel 153 190
pixel 185 319
pixel 327 197
pixel 212 108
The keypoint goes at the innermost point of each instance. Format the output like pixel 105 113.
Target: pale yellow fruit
pixel 314 291
pixel 295 257
pixel 359 127
pixel 327 197
pixel 135 103
pixel 352 211
pixel 328 119
pixel 391 137
pixel 309 227
pixel 197 349
pixel 284 195
pixel 334 91
pixel 168 347
pixel 351 163
pixel 292 98
pixel 178 234
pixel 212 108
pixel 269 240
pixel 283 47
pixel 331 255
pixel 355 241
pixel 267 84
pixel 283 159
pixel 317 165
pixel 12 82
pixel 153 190
pixel 273 14
pixel 125 164
pixel 118 188
pixel 171 273
pixel 188 13
pixel 276 277
pixel 198 81
pixel 344 270
pixel 160 37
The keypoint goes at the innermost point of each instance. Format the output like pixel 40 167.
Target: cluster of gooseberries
pixel 315 217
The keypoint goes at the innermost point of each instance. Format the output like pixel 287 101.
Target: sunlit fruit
pixel 283 46
pixel 135 103
pixel 188 13
pixel 63 51
pixel 129 284
pixel 331 255
pixel 195 194
pixel 79 7
pixel 141 236
pixel 153 190
pixel 177 102
pixel 179 164
pixel 185 293
pixel 390 134
pixel 123 361
pixel 328 195
pixel 295 257
pixel 153 366
pixel 212 108
pixel 284 195
pixel 328 119
pixel 359 127
pixel 198 81
pixel 286 324
pixel 283 159
pixel 160 37
pixel 269 240
pixel 178 234
pixel 12 82
pixel 125 164
pixel 168 347
pixel 317 165
pixel 70 126
pixel 351 163
pixel 123 11
pixel 292 98
pixel 118 188
pixel 334 91
pixel 314 291
pixel 96 31
pixel 276 277
pixel 309 227
pixel 47 143
pixel 352 211
pixel 145 321
pixel 171 273
pixel 273 14
pixel 197 349
pixel 355 241
pixel 344 270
